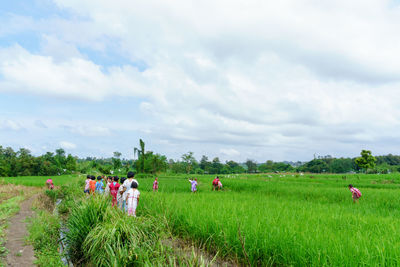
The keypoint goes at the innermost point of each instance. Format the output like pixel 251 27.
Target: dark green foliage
pixel 366 161
pixel 22 163
pixel 271 166
pixel 316 166
pixel 251 166
pixel 105 169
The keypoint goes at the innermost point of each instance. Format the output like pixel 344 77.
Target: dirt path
pixel 19 253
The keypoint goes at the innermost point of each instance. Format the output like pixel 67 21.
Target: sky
pixel 245 79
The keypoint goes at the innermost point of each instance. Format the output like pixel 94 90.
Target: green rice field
pixel 277 219
pixel 285 220
pixel 39 181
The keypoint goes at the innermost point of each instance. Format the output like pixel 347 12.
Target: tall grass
pixel 300 221
pixel 83 218
pixel 122 241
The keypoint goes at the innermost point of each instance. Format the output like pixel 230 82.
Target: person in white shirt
pixel 132 199
pixel 127 185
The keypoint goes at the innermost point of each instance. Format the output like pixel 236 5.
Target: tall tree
pixel 366 161
pixel 117 154
pixel 189 161
pixel 117 164
pixel 251 166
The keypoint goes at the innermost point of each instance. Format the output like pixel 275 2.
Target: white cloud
pixel 282 75
pixel 230 152
pixel 10 125
pixel 90 130
pixel 67 145
pixel 40 124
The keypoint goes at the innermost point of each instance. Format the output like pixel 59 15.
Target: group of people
pixel 125 194
pixel 216 184
pixel 124 191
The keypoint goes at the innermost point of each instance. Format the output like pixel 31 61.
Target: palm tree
pixel 141 154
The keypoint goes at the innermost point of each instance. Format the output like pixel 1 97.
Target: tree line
pixel 23 163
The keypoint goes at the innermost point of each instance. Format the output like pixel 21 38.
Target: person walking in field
pixel 99 185
pixel 194 185
pixel 113 188
pixel 155 185
pixel 92 184
pixel 132 199
pixel 120 199
pixel 87 182
pixel 127 184
pixel 355 193
pixel 50 184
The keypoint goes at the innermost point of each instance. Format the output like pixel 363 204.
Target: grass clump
pixel 44 233
pixel 83 217
pixel 122 241
pixel 100 235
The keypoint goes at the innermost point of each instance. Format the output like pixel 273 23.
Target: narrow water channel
pixel 62 245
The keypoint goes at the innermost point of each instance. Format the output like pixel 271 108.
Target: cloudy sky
pixel 258 79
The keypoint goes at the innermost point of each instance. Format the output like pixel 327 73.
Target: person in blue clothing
pixel 99 185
